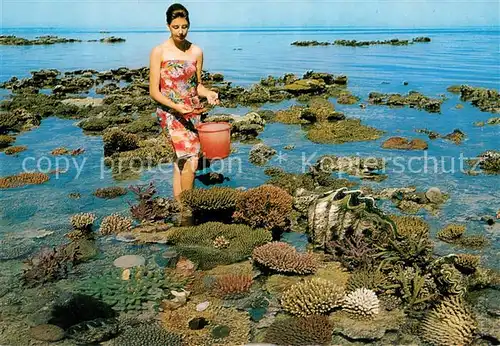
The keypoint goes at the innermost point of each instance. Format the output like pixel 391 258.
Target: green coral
pixel 310 330
pixel 417 290
pixel 196 242
pixel 451 233
pixel 467 263
pixel 410 225
pixel 370 278
pixel 214 203
pixel 145 284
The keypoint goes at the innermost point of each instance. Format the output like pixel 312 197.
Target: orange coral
pixel 266 207
pixel 284 258
pixel 23 179
pixel 232 285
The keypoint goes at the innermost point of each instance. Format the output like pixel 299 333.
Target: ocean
pixel 454 56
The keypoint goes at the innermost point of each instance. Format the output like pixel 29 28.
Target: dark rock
pixel 198 323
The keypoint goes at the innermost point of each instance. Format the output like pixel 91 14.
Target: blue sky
pixel 133 14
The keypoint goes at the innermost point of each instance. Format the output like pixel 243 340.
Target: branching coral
pixel 450 323
pixel 15 150
pixel 232 286
pixel 362 302
pixel 415 289
pixel 284 258
pixel 342 131
pixel 410 225
pixel 451 233
pixel 298 331
pixel 369 278
pixel 150 208
pixel 115 223
pixel 22 179
pixel 353 251
pixel 82 221
pixel 467 263
pixel 216 204
pixel 221 242
pixel 196 243
pixel 311 297
pixel 116 140
pixel 266 207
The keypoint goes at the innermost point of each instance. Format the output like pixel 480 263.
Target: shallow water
pixel 453 57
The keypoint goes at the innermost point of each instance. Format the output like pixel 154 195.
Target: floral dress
pixel 178 82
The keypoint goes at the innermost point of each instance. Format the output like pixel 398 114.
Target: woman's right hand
pixel 183 109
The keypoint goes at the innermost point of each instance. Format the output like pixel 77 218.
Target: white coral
pixel 115 223
pixel 82 221
pixel 361 302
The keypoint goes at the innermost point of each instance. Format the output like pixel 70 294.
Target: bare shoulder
pixel 196 50
pixel 157 51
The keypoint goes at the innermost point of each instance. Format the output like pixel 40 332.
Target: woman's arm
pixel 210 95
pixel 154 80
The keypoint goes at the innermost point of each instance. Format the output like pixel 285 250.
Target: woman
pixel 175 83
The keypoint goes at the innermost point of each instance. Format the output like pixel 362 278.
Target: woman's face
pixel 179 29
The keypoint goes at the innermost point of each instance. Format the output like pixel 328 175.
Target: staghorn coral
pixel 146 334
pixel 410 225
pixel 232 286
pixel 473 241
pixel 390 302
pixel 115 223
pixel 266 206
pixel 177 321
pixel 298 331
pixel 110 192
pixel 353 251
pixel 450 323
pixel 217 203
pixel 362 302
pixel 369 278
pixel 22 179
pixel 196 242
pixel 284 258
pixel 150 208
pixel 311 297
pixel 82 221
pixel 467 263
pixel 451 233
pixel 221 242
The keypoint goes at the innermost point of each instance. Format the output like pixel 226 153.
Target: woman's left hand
pixel 213 98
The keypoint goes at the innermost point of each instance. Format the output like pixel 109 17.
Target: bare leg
pixel 188 172
pixel 177 187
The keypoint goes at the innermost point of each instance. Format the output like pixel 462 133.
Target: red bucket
pixel 215 139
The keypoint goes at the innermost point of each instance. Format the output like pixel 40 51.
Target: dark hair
pixel 176 11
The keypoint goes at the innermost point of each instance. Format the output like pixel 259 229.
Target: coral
pixel 82 221
pixel 310 297
pixel 48 265
pixel 15 150
pixel 6 140
pixel 451 233
pixel 47 332
pixel 94 331
pixel 410 225
pixel 146 334
pixel 390 302
pixel 320 110
pixel 298 331
pixel 488 100
pixel 369 278
pixel 115 223
pixel 362 302
pixel 59 151
pixel 450 323
pixel 473 241
pixel 196 242
pixel 284 258
pixel 467 263
pixel 116 140
pixel 145 284
pixel 290 116
pixel 342 131
pixel 178 321
pixel 150 208
pixel 413 99
pixel 277 284
pixel 417 290
pixel 232 286
pixel 266 206
pixel 221 242
pixel 22 179
pixel 405 144
pixel 110 192
pixel 12 249
pixel 353 251
pixel 291 182
pixel 260 154
pixel 216 204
